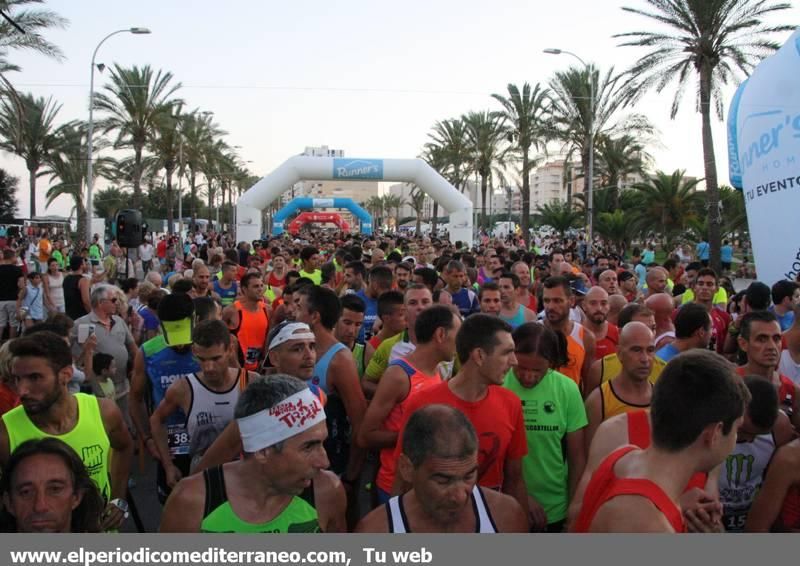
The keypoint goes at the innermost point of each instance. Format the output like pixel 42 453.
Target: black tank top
pixel 73 304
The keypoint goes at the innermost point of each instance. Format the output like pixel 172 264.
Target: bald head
pixel 615 305
pixel 595 305
pixel 656 280
pixel 636 351
pixel 661 305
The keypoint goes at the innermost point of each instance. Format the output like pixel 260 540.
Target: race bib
pixel 178 439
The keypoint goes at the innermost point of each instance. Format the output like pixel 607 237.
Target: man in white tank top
pixel 440 461
pixel 207 398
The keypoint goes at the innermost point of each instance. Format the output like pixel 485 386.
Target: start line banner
pixel 399 550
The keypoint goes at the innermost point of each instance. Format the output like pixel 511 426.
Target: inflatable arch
pixel 764 159
pixel 322 217
pixel 265 191
pixel 303 203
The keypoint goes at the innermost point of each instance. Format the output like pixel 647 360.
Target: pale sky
pixel 364 76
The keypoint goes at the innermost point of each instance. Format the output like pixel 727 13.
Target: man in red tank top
pixel 697 408
pixel 596 308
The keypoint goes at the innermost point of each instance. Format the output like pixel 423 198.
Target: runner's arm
pixel 781 476
pixel 331 502
pixel 514 484
pixel 171 402
pixel 121 444
pixel 593 378
pixel 138 409
pixel 345 381
pixel 576 458
pixel 83 287
pixel 594 412
pixel 225 448
pixel 183 512
pixel 589 348
pixel 391 390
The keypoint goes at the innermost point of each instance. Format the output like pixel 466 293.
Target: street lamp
pixel 590 173
pixel 89 148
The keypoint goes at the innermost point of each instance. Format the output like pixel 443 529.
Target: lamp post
pixel 89 148
pixel 590 173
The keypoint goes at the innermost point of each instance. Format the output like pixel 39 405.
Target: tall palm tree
pixel 134 103
pixel 32 135
pixel 668 201
pixel 486 137
pixel 199 134
pixel 393 202
pixel 616 228
pixel 108 202
pixel 448 152
pixel 164 143
pixel 707 41
pixel 526 114
pixel 560 216
pixel 576 121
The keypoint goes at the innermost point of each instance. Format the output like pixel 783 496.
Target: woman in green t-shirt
pixel 555 419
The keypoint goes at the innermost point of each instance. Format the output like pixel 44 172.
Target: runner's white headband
pixel 288 418
pixel 288 333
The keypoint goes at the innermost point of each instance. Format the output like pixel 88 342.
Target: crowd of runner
pixel 345 383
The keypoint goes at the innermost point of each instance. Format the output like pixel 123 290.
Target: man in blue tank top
pixel 160 362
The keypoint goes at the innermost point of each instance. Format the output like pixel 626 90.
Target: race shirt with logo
pixel 164 366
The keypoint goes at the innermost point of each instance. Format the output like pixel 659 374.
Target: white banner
pixel 764 148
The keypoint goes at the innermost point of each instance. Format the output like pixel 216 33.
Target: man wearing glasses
pixel 113 338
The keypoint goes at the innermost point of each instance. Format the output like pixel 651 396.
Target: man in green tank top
pixel 41 368
pixel 280 485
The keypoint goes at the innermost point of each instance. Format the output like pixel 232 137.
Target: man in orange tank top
pixel 558 300
pixel 436 330
pixel 698 406
pixel 248 319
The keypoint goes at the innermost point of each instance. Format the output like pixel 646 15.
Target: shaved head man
pixel 662 306
pixel 656 281
pixel 608 281
pixel 595 306
pixel 631 390
pixel 615 305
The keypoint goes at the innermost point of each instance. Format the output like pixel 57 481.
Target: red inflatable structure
pixel 320 217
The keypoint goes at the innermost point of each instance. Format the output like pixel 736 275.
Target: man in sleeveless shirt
pixel 336 375
pixel 226 286
pixel 207 397
pixel 511 311
pixel 629 391
pixel 558 300
pixel 348 327
pixel 248 319
pixel 436 330
pixel 280 485
pixel 160 362
pixel 697 408
pixel 439 461
pixel 661 305
pixel 41 368
pixel 596 307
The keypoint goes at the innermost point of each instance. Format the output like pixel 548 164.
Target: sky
pixel 367 77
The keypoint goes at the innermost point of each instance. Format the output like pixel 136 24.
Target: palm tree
pixel 8 198
pixel 576 120
pixel 164 143
pixel 33 22
pixel 31 135
pixel 486 134
pixel 393 202
pixel 668 201
pixel 375 205
pixel 200 133
pixel 449 153
pixel 416 201
pixel 558 215
pixel 109 201
pixel 706 40
pixel 618 159
pixel 616 227
pixel 526 114
pixel 135 101
pixel 67 166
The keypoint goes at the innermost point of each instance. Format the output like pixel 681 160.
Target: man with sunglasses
pixel 113 338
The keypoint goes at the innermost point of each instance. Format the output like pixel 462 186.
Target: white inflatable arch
pixel 302 168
